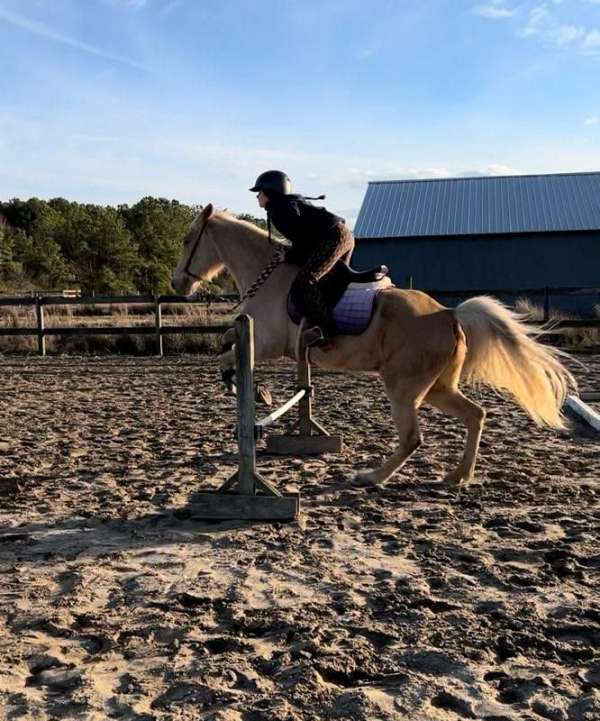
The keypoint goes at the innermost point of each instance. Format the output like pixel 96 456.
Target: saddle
pixel 350 295
pixel 342 276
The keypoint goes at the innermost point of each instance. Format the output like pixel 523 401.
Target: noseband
pixel 187 270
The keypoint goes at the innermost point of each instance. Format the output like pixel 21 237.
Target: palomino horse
pixel 420 349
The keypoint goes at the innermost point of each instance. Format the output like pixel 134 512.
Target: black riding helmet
pixel 274 181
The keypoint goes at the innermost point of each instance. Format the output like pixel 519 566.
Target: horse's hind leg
pixel 450 400
pixel 404 412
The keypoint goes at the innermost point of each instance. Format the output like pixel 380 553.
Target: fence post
pixel 409 282
pixel 39 312
pixel 546 304
pixel 305 405
pixel 158 326
pixel 244 358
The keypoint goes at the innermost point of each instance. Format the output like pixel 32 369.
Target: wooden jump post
pixel 247 495
pixel 304 437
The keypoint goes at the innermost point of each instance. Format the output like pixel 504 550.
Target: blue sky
pixel 106 101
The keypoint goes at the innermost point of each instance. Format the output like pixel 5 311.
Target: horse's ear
pixel 208 212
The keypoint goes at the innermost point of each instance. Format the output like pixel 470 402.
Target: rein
pixel 276 259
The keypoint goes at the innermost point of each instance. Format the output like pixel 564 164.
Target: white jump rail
pixel 306 436
pixel 282 410
pixel 584 411
pixel 247 495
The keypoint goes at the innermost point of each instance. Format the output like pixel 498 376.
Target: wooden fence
pixel 546 293
pixel 158 330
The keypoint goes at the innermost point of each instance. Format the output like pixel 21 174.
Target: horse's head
pixel 200 258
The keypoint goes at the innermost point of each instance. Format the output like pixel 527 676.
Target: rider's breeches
pixel 305 289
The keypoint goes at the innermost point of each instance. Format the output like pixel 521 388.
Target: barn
pixel 492 233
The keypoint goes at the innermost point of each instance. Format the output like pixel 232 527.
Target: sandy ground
pixel 407 602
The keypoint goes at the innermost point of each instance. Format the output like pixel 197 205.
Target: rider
pixel 319 240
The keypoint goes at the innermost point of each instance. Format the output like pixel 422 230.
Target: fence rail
pixel 21 300
pixel 545 292
pixel 158 330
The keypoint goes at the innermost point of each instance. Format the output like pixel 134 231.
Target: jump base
pixel 239 507
pixel 297 445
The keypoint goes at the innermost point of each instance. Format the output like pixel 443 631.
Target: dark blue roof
pixel 481 205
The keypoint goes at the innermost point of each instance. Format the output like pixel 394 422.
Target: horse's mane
pixel 250 227
pixel 227 216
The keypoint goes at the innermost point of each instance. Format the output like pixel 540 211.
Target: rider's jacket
pixel 304 224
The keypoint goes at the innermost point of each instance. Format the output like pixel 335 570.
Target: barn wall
pixel 492 262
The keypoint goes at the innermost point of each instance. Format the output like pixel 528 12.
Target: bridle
pixel 276 259
pixel 187 270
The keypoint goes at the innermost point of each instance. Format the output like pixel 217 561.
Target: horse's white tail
pixel 501 353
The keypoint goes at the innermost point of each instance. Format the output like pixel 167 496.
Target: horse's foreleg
pixel 227 340
pixel 227 365
pixel 227 359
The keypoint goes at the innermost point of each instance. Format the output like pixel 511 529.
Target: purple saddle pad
pixel 354 310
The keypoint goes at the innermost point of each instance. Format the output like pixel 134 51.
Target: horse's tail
pixel 502 354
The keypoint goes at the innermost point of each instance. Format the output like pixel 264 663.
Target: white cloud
pixel 494 10
pixel 498 169
pixel 165 7
pixel 565 34
pixel 171 6
pixel 591 42
pixel 542 24
pixel 592 120
pixel 41 30
pixel 358 178
pixel 128 3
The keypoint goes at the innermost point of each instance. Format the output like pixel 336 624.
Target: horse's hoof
pixel 365 479
pixel 227 376
pixel 10 486
pixel 456 479
pixel 263 395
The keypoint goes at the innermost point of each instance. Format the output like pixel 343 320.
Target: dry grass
pixel 72 316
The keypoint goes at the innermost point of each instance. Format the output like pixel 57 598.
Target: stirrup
pixel 313 337
pixel 307 339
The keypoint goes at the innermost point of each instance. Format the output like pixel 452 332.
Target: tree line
pixel 100 249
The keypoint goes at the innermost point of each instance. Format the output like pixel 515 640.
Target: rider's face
pixel 262 199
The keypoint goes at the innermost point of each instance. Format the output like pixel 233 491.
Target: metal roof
pixel 481 205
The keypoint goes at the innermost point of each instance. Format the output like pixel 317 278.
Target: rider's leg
pixel 338 245
pixel 307 295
